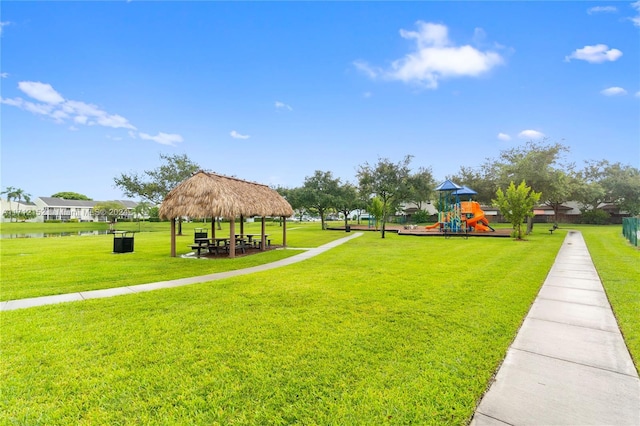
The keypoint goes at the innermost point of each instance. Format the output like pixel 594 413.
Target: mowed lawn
pixel 34 267
pixel 376 331
pixel 618 264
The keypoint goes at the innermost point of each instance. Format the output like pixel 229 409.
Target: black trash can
pixel 199 233
pixel 347 228
pixel 121 242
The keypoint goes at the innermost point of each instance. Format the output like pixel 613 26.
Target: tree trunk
pixel 529 225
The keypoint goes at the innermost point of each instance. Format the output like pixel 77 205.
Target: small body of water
pixel 54 234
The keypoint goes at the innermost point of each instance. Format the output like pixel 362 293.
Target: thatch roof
pixel 211 195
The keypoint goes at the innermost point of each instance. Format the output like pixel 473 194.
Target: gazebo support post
pixel 263 239
pixel 284 231
pixel 213 227
pixel 241 226
pixel 173 237
pixel 232 237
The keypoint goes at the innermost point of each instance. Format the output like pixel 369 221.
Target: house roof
pixel 61 202
pixel 211 195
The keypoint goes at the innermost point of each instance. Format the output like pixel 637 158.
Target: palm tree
pixel 12 194
pixel 142 209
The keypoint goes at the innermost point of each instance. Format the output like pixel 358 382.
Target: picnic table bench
pixel 553 228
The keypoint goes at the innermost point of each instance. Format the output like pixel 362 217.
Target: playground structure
pixel 455 216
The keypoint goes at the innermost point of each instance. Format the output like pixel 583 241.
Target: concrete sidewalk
pixel 118 291
pixel 568 364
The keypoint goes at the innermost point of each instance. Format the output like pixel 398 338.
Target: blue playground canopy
pixel 447 185
pixel 465 190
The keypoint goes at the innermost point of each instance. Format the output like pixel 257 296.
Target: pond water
pixel 54 234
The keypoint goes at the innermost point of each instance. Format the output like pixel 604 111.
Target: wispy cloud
pixel 602 9
pixel 613 91
pixel 531 134
pixel 637 95
pixel 237 135
pixel 504 137
pixel 4 24
pixel 162 138
pixel 595 54
pixel 636 19
pixel 50 103
pixel 281 105
pixel 434 58
pixel 4 74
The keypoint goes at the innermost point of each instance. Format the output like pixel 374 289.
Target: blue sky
pixel 272 91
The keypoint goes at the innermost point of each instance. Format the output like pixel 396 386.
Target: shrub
pixel 595 217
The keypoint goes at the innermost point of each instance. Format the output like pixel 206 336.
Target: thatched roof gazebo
pixel 211 195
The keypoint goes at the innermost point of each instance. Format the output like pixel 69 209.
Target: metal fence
pixel 631 229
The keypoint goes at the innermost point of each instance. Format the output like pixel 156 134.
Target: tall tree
pixel 421 187
pixel 347 200
pixel 15 194
pixel 11 194
pixel 537 164
pixel 516 204
pixel 67 195
pixel 482 179
pixel 154 185
pixel 318 193
pixel 388 181
pixel 622 184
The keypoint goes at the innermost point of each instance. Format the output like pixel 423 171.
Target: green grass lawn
pixel 45 266
pixel 618 264
pixel 397 330
pixel 376 331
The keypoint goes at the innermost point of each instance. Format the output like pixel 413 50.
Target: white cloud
pixel 237 135
pixel 530 134
pixel 40 92
pixel 73 128
pixel 636 19
pixel 504 137
pixel 4 75
pixel 367 95
pixel 613 91
pixel 4 24
pixel 637 95
pixel 434 58
pixel 595 54
pixel 282 105
pixel 162 138
pixel 602 9
pixel 53 105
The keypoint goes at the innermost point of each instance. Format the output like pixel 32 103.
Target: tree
pixel 318 193
pixel 141 210
pixel 376 208
pixel 483 180
pixel 537 164
pixel 110 209
pixel 516 205
pixel 11 194
pixel 421 186
pixel 154 185
pixel 15 194
pixel 602 182
pixel 622 185
pixel 71 196
pixel 388 181
pixel 588 190
pixel 347 200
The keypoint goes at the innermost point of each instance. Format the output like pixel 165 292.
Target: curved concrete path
pixel 110 292
pixel 568 364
